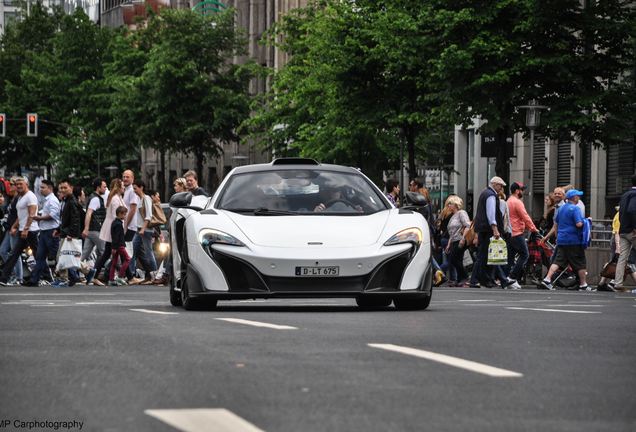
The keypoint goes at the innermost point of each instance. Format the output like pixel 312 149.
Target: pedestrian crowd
pixel 502 242
pixel 73 237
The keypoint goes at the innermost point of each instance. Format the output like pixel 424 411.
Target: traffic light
pixel 3 125
pixel 32 124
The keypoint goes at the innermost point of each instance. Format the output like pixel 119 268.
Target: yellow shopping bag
pixel 497 252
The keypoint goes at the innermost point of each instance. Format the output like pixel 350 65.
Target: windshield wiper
pixel 262 211
pixel 240 210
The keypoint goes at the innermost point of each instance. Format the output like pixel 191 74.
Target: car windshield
pixel 300 192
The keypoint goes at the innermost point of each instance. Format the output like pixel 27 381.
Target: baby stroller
pixel 536 260
pixel 566 278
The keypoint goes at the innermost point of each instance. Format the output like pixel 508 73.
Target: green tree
pixel 356 87
pixel 189 95
pixel 25 45
pixel 497 55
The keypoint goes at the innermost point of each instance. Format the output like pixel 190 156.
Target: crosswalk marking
pixel 203 420
pixel 450 361
pixel 258 324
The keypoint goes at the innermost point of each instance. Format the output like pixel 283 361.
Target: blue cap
pixel 572 193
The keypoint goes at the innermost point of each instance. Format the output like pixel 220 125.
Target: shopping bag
pixel 468 259
pixel 497 252
pixel 70 253
pixel 129 249
pixel 160 271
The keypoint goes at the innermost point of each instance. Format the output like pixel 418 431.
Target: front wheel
pixel 175 296
pixel 193 304
pixel 412 303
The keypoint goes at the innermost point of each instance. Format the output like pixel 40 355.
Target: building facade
pixel 256 17
pixel 602 174
pixel 10 9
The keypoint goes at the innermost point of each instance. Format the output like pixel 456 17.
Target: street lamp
pixel 533 119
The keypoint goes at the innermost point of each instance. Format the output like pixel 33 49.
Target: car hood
pixel 304 231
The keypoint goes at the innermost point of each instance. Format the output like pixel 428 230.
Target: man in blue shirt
pixel 569 225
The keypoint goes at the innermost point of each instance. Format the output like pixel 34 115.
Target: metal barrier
pixel 601 233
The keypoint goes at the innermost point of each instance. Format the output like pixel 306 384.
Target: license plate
pixel 318 271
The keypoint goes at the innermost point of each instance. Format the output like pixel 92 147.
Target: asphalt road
pixel 123 359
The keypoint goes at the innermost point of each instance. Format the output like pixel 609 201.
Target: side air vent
pixel 294 161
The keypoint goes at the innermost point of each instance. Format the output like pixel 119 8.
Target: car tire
pixel 188 302
pixel 412 303
pixel 192 304
pixel 373 302
pixel 175 296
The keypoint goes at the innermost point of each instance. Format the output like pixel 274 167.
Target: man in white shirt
pixel 49 221
pixel 25 225
pixel 132 201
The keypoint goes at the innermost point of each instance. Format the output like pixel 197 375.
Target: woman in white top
pixel 457 225
pixel 115 200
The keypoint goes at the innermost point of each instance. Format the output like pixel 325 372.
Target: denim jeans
pixel 517 245
pixel 480 271
pixel 16 253
pixel 142 249
pixel 47 245
pixel 446 262
pixel 8 243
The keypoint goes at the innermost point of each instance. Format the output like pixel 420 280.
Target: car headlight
pixel 409 235
pixel 164 248
pixel 208 237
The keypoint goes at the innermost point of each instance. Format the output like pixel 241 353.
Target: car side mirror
pixel 415 198
pixel 182 200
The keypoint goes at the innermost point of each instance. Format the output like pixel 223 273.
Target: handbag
pixel 70 253
pixel 469 235
pixel 158 216
pixel 497 252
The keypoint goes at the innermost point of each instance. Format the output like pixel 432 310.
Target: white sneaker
pixel 514 286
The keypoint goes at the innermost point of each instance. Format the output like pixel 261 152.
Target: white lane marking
pixel 577 305
pixel 483 304
pixel 88 293
pixel 257 324
pixel 474 300
pixel 450 361
pixel 154 312
pixel 554 310
pixel 203 420
pixel 99 303
pixel 49 305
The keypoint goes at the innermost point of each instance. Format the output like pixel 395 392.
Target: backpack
pixel 5 186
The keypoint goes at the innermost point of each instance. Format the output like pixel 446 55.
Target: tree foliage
pixel 104 93
pixel 378 74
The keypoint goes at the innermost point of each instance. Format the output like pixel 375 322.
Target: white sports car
pixel 298 228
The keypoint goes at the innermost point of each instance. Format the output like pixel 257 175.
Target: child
pixel 118 246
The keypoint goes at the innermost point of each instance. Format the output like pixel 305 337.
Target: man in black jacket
pixel 70 226
pixel 626 232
